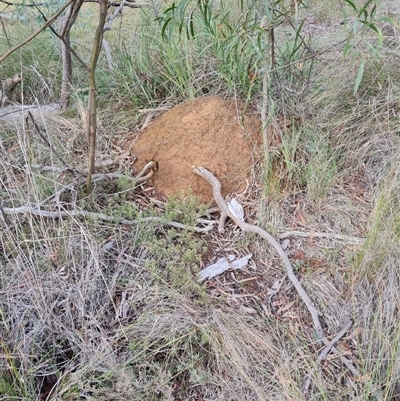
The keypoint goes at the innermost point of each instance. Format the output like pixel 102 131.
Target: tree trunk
pixel 66 24
pixel 92 126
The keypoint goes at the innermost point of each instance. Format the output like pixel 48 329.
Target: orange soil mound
pixel 206 131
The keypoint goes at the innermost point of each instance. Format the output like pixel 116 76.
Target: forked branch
pixel 250 228
pixel 42 28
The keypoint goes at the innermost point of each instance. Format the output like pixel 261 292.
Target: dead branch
pixel 332 343
pixel 146 173
pixel 142 176
pixel 61 170
pixel 64 37
pixel 46 142
pixel 150 165
pixel 131 4
pixel 128 3
pixel 46 169
pixel 340 237
pixel 34 211
pixel 216 186
pixel 107 25
pixel 329 346
pixel 4 29
pixel 245 227
pixel 4 216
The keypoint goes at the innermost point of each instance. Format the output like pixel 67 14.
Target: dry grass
pixel 100 311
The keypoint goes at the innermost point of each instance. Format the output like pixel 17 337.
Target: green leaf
pixel 351 4
pixel 370 25
pixel 373 11
pixel 380 37
pixel 359 76
pixel 344 13
pixel 164 27
pixel 191 25
pixel 363 10
pixel 389 20
pixel 347 46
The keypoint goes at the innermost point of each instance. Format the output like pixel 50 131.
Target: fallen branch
pixel 143 176
pixel 98 166
pixel 227 212
pixel 313 234
pixel 129 3
pixel 329 347
pixel 34 211
pixel 332 343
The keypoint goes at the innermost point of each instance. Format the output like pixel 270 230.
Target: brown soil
pixel 208 132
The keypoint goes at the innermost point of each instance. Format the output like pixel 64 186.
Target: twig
pixel 5 30
pixel 3 215
pixel 44 139
pixel 332 343
pixel 42 28
pixel 19 109
pixel 141 177
pixel 98 166
pixel 225 212
pixel 136 180
pixel 62 38
pixel 330 347
pixel 107 26
pixel 107 50
pixel 9 3
pixel 154 110
pixel 342 237
pixel 129 3
pixel 100 216
pixel 150 165
pixel 51 169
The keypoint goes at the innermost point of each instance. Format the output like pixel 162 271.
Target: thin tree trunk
pixel 66 67
pixel 66 25
pixel 92 126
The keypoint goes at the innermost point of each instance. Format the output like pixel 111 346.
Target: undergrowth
pixel 100 309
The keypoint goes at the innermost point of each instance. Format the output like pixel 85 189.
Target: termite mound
pixel 208 131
